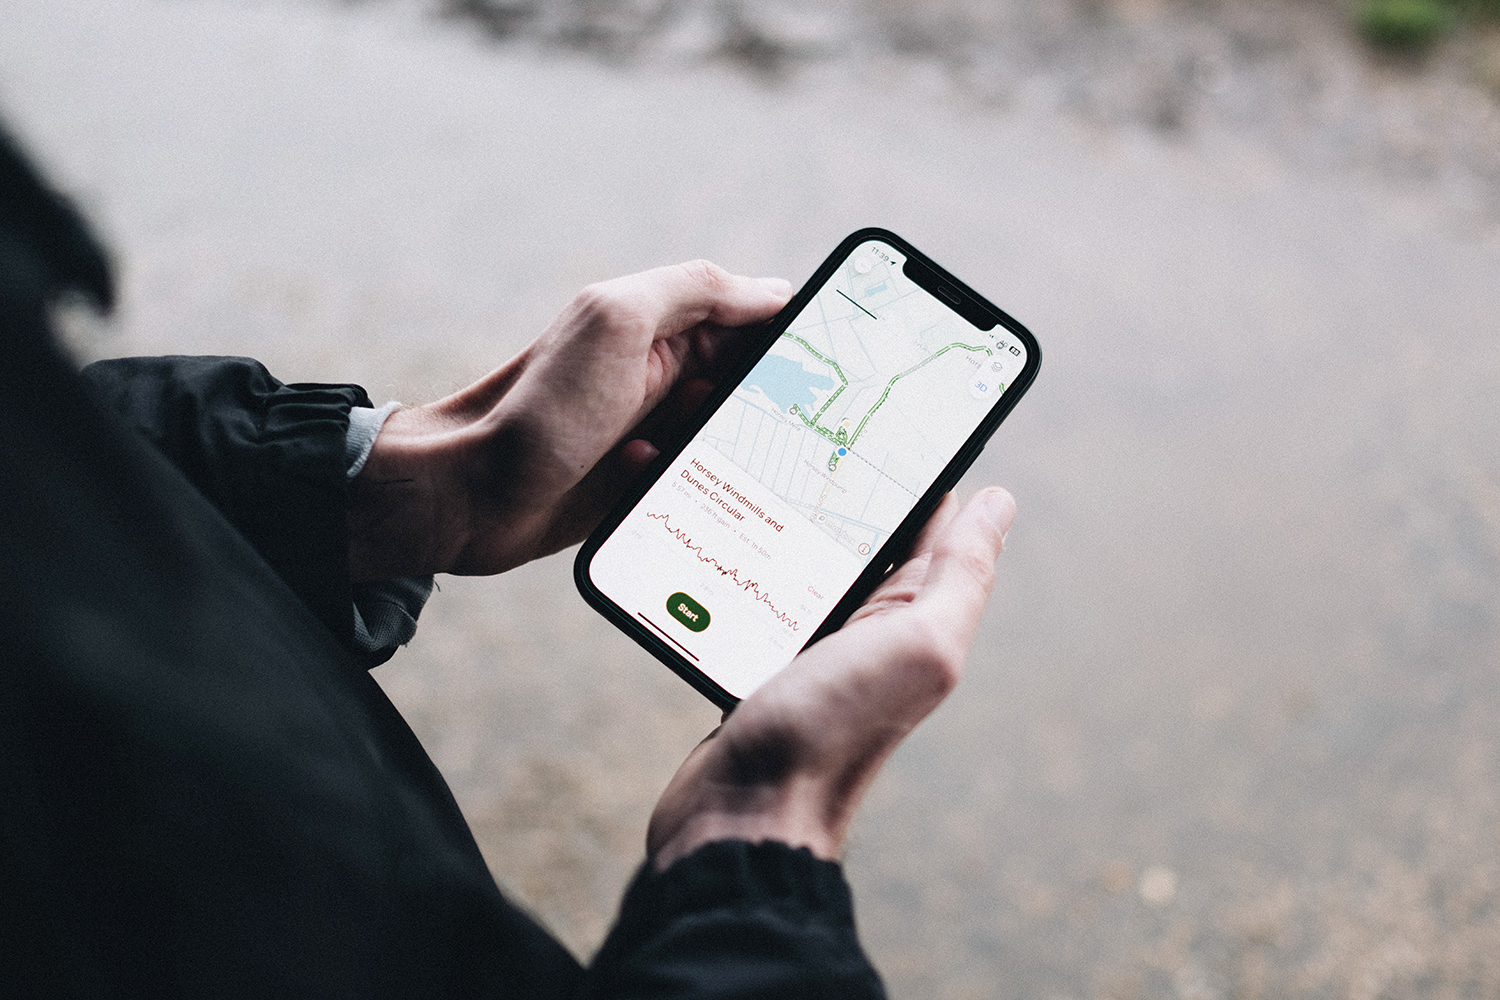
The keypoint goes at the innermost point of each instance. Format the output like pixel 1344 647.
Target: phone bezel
pixel 897 546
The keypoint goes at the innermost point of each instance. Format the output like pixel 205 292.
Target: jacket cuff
pixel 736 873
pixel 772 920
pixel 272 458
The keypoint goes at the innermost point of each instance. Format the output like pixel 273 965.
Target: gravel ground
pixel 1229 727
pixel 1281 76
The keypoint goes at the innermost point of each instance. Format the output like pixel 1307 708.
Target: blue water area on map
pixel 786 382
pixel 874 291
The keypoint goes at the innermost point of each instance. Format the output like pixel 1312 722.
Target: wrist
pixel 405 515
pixel 795 813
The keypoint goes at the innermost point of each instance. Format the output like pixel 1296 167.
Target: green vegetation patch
pixel 1409 26
pixel 1483 10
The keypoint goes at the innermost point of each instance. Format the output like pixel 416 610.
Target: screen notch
pixel 929 280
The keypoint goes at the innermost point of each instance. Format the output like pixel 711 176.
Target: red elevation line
pixel 748 586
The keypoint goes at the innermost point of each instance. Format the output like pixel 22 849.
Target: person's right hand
pixel 793 760
pixel 526 461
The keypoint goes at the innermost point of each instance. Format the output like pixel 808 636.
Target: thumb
pixel 961 571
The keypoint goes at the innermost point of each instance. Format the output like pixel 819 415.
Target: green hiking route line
pixel 849 440
pixel 843 384
pixel 896 378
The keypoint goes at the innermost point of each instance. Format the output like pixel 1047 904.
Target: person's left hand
pixel 528 459
pixel 793 760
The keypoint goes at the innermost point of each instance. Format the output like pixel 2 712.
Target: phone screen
pixel 745 544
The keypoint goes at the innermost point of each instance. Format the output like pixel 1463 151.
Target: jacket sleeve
pixel 736 920
pixel 271 458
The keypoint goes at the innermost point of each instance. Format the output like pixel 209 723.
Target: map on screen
pixel 862 402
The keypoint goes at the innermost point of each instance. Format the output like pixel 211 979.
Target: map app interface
pixel 742 548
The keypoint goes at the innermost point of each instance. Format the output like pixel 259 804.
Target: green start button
pixel 688 611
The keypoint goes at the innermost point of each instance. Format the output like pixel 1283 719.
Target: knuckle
pixel 978 566
pixel 599 299
pixel 606 306
pixel 706 273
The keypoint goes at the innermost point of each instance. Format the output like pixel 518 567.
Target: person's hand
pixel 793 760
pixel 528 459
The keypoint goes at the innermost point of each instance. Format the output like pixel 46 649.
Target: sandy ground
pixel 1229 728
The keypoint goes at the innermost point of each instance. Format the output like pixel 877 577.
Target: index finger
pixel 683 296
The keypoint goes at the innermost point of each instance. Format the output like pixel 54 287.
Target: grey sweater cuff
pixel 364 428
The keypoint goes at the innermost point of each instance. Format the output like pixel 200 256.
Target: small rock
pixel 1158 886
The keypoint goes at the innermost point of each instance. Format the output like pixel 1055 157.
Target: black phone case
pixel 928 275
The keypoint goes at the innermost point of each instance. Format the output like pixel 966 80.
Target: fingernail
pixel 776 286
pixel 1001 507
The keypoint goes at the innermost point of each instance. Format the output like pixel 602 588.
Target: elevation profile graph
pixel 746 584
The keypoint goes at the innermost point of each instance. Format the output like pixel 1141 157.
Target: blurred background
pixel 1229 730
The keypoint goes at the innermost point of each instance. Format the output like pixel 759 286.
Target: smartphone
pixel 806 476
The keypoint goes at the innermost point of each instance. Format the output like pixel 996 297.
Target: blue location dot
pixel 843 452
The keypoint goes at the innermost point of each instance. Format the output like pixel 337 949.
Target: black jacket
pixel 202 791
